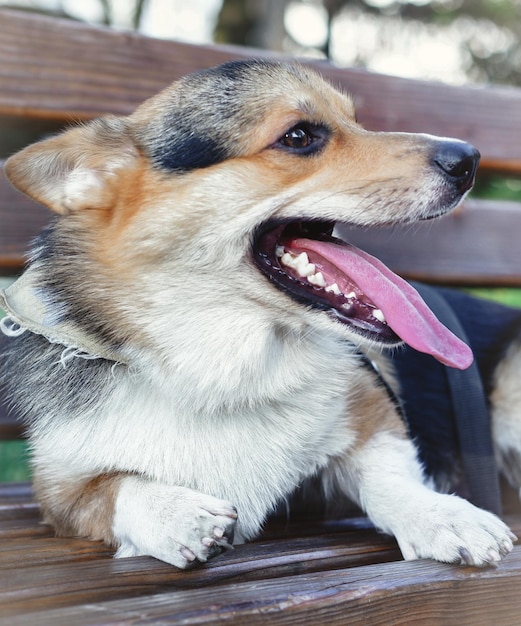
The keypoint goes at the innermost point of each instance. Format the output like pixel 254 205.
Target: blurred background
pixel 452 41
pixel 455 41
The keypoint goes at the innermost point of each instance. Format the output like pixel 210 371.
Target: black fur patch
pixel 188 151
pixel 30 362
pixel 209 111
pixel 68 266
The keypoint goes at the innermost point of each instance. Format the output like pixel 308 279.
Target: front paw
pixel 174 524
pixel 452 530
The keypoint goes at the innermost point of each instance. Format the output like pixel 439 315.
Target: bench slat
pixel 10 428
pixel 366 596
pixel 65 69
pixel 478 244
pixel 336 572
pixel 21 220
pixel 385 593
pixel 392 593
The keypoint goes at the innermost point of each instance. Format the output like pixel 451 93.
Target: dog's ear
pixel 77 169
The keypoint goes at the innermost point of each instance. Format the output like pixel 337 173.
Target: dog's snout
pixel 459 161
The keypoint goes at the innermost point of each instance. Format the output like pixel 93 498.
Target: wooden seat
pixel 301 571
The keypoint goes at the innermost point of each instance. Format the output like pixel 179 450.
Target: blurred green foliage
pixel 14 466
pixel 496 187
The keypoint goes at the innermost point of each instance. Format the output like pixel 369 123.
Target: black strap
pixel 472 416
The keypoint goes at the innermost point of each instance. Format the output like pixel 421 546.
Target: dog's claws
pixel 218 532
pixel 493 557
pixel 188 554
pixel 465 557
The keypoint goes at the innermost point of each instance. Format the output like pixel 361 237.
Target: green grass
pixel 494 187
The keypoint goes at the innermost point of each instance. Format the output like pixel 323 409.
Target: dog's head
pixel 236 176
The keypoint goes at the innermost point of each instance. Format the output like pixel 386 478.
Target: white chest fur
pixel 251 455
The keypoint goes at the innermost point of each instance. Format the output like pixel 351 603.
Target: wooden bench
pixel 305 571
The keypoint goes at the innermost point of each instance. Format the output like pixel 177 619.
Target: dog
pixel 189 344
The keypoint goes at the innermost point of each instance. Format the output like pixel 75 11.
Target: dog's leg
pixel 383 475
pixel 386 480
pixel 506 414
pixel 174 524
pixel 140 517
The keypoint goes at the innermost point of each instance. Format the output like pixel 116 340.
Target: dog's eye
pixel 297 138
pixel 303 138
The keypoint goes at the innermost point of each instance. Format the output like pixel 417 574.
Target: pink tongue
pixel 404 310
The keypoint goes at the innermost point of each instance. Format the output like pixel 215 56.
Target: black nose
pixel 458 160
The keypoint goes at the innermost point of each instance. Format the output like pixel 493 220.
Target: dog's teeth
pixel 317 279
pixel 279 251
pixel 303 266
pixel 309 271
pixel 288 260
pixel 378 314
pixel 302 263
pixel 351 295
pixel 306 271
pixel 333 289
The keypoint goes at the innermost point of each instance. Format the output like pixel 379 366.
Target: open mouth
pixel 304 260
pixel 286 253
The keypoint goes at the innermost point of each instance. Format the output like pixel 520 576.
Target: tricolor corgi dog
pixel 189 344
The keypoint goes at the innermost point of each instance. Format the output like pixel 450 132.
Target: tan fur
pixel 84 509
pixel 373 414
